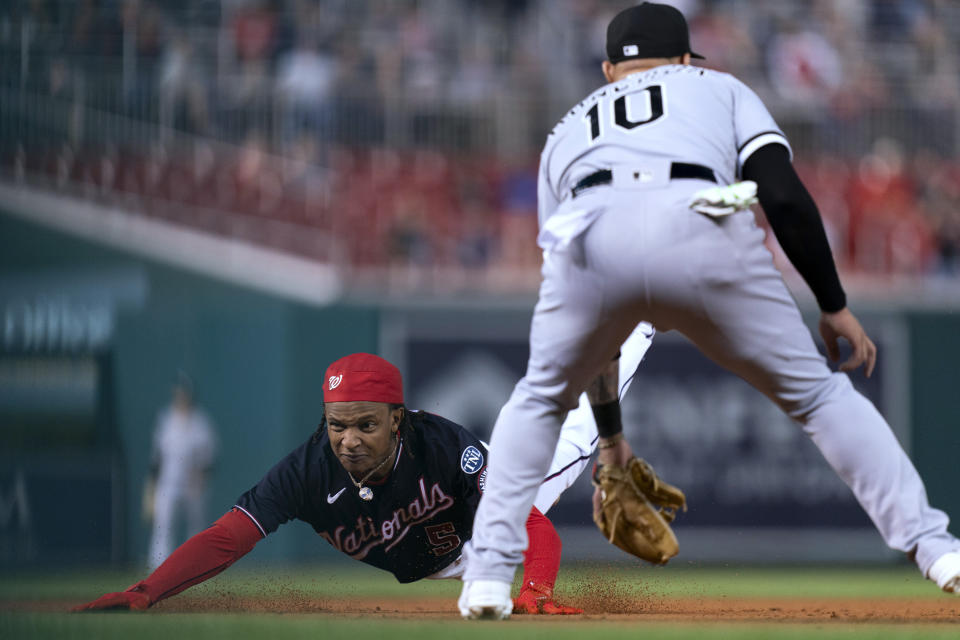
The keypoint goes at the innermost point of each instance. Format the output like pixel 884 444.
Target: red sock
pixel 541 562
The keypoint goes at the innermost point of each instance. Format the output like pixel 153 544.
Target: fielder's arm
pixel 796 223
pixel 632 506
pixel 603 394
pixel 196 560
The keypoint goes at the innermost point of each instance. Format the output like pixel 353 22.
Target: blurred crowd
pixel 405 133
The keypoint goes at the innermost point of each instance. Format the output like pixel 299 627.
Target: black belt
pixel 677 170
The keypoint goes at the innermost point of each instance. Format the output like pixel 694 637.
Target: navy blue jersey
pixel 419 517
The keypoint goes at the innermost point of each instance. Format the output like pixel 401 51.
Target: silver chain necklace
pixel 366 493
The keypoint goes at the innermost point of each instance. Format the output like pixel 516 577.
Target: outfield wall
pixel 101 333
pixel 256 359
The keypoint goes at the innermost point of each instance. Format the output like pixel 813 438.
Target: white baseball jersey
pixel 645 122
pixel 184 443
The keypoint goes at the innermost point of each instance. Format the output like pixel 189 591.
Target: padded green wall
pixel 935 405
pixel 257 361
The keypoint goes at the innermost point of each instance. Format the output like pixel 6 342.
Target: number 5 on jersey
pixel 442 537
pixel 625 107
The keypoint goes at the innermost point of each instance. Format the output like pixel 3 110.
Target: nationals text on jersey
pixel 425 506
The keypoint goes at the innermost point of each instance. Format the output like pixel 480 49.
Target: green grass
pixel 835 582
pixel 242 627
pixel 677 581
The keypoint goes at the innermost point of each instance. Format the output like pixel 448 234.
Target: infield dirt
pixel 598 606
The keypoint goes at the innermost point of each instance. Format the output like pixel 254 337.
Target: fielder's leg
pixel 572 336
pixel 754 329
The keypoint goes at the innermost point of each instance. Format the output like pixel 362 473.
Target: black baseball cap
pixel 648 30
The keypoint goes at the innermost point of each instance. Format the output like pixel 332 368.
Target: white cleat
pixel 946 572
pixel 485 600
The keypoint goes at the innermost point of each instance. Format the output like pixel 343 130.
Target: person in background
pixel 184 450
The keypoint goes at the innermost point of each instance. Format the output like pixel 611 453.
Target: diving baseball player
pixel 393 488
pixel 633 226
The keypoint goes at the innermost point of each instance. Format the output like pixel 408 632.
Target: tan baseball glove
pixel 636 508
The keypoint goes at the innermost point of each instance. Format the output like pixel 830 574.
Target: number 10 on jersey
pixel 624 108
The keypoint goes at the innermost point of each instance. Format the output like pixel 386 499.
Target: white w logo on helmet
pixel 334 382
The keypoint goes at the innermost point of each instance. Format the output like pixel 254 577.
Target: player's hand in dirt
pixel 123 600
pixel 843 324
pixel 536 601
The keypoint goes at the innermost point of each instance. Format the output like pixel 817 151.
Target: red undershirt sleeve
pixel 202 556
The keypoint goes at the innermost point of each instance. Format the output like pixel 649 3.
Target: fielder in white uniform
pixel 184 448
pixel 622 243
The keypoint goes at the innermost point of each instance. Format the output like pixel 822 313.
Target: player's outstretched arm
pixel 196 560
pixel 541 563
